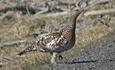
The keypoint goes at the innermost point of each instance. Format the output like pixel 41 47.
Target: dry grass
pixel 22 27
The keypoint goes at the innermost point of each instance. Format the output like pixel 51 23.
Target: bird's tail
pixel 21 53
pixel 28 49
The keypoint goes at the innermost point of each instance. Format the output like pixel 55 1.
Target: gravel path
pixel 99 55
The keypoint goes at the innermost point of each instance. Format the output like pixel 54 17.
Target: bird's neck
pixel 71 24
pixel 69 29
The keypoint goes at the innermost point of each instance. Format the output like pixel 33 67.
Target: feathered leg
pixel 56 58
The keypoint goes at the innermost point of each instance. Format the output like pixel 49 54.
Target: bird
pixel 57 42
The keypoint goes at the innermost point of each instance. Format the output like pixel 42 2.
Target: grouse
pixel 56 42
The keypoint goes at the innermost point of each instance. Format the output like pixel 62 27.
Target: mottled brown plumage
pixel 56 42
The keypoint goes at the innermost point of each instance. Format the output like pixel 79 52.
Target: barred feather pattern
pixel 57 41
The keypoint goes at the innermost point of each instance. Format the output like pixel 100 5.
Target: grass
pixel 35 59
pixel 24 26
pixel 19 30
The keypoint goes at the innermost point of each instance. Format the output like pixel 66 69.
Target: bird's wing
pixel 53 42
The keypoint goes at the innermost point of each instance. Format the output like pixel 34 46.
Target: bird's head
pixel 76 12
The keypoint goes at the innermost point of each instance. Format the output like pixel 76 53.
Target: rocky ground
pixel 20 21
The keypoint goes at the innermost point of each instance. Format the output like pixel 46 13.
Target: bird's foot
pixel 61 62
pixel 60 57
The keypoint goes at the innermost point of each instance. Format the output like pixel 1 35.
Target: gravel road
pixel 99 55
